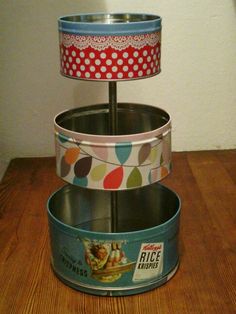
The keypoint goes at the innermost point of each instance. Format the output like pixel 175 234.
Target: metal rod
pixel 113 121
pixel 114 211
pixel 113 108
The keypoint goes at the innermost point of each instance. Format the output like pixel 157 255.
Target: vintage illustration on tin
pixel 107 260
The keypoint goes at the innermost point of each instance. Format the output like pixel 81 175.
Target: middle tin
pixel 88 156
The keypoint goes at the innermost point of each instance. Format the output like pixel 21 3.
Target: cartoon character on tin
pixel 107 260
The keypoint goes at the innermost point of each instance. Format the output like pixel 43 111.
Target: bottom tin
pixel 143 252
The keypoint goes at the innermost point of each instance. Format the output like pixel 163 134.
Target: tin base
pixel 121 291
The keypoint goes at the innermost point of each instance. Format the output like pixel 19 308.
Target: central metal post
pixel 112 108
pixel 113 121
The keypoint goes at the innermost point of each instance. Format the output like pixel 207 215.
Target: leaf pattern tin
pixel 113 162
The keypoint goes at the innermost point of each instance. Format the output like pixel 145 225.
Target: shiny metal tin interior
pixel 110 18
pixel 131 119
pixel 90 210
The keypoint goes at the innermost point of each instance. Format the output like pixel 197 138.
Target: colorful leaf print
pixel 82 167
pixel 153 175
pixel 71 155
pixel 144 152
pixel 62 138
pixel 153 154
pixel 98 172
pixel 134 179
pixel 161 160
pixel 113 179
pixel 123 151
pixel 57 150
pixel 65 168
pixel 164 172
pixel 166 148
pixel 80 181
pixel 101 152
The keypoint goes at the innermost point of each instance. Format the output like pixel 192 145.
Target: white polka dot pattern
pixel 109 63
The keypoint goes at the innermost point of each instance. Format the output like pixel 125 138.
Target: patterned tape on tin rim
pixel 117 166
pixel 107 52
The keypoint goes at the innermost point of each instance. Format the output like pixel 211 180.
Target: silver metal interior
pixel 137 209
pixel 109 18
pixel 131 119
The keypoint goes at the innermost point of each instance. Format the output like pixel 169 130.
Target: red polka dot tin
pixel 110 47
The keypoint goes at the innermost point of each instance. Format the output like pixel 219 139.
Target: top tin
pixel 110 46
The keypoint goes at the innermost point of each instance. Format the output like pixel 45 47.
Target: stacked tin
pixel 113 228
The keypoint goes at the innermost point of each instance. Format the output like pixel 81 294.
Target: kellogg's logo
pixel 152 247
pixel 150 261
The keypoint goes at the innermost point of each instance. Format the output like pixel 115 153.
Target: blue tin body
pixel 142 260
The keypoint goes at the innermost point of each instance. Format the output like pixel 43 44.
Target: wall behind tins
pixel 196 86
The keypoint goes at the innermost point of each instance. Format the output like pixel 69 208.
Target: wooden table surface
pixel 204 283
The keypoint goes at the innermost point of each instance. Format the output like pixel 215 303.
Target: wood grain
pixel 204 283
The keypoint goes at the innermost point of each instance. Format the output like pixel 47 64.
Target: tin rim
pixel 113 291
pixel 109 23
pixel 93 139
pixel 110 80
pixel 138 234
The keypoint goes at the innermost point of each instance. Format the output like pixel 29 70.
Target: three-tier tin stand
pixel 113 228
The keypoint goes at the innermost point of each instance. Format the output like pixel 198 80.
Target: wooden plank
pixel 219 194
pixel 204 283
pixel 203 291
pixel 228 161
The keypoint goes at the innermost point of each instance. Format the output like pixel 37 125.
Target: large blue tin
pixel 141 255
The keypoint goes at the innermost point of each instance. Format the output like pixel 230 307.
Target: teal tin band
pixel 140 255
pixel 125 290
pixel 109 24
